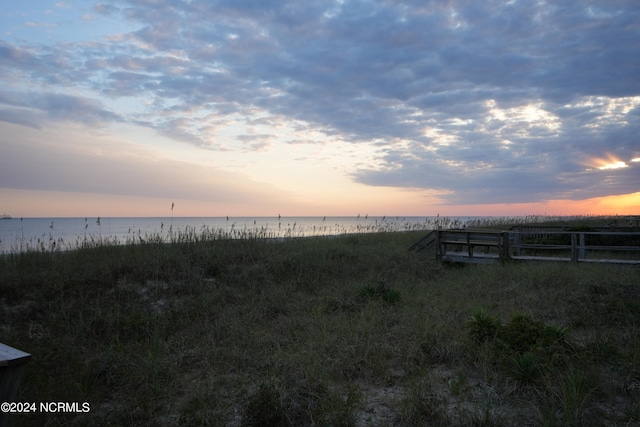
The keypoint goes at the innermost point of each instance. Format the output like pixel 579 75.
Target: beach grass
pixel 351 330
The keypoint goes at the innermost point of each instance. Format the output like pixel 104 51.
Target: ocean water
pixel 22 234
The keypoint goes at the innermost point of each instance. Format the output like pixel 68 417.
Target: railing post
pixel 574 249
pixel 517 240
pixel 582 253
pixel 504 249
pixel 438 247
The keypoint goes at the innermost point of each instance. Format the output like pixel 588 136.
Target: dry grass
pixel 353 330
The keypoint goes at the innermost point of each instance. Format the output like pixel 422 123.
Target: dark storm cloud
pixel 484 101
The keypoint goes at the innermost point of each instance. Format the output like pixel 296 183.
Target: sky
pixel 336 107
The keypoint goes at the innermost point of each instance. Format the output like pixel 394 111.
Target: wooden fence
pixel 460 245
pixel 489 246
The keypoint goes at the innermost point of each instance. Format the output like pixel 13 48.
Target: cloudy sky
pixel 336 107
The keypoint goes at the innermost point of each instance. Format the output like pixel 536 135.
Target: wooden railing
pixel 460 245
pixel 550 245
pixel 578 246
pixel 427 242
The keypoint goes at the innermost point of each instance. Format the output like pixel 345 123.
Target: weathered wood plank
pixel 540 258
pixel 12 362
pixel 613 248
pixel 542 246
pixel 471 242
pixel 12 356
pixel 565 259
pixel 476 259
pixel 612 261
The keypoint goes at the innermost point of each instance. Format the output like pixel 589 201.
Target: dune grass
pixel 349 330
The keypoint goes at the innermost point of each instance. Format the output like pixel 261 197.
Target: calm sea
pixel 20 234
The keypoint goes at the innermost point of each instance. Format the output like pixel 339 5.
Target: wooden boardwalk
pixel 491 246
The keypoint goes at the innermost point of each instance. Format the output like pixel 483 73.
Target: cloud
pixel 13 57
pixel 488 102
pixel 32 109
pixel 86 163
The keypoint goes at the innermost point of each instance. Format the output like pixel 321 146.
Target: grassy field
pixel 352 330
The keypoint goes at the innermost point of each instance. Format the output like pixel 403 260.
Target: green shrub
pixel 577 389
pixel 482 326
pixel 524 367
pixel 381 292
pixel 524 334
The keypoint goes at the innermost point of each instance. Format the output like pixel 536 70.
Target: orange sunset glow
pixel 610 162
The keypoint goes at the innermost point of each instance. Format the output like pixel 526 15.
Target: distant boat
pixel 5 216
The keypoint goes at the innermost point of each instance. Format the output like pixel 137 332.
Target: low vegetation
pixel 352 330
